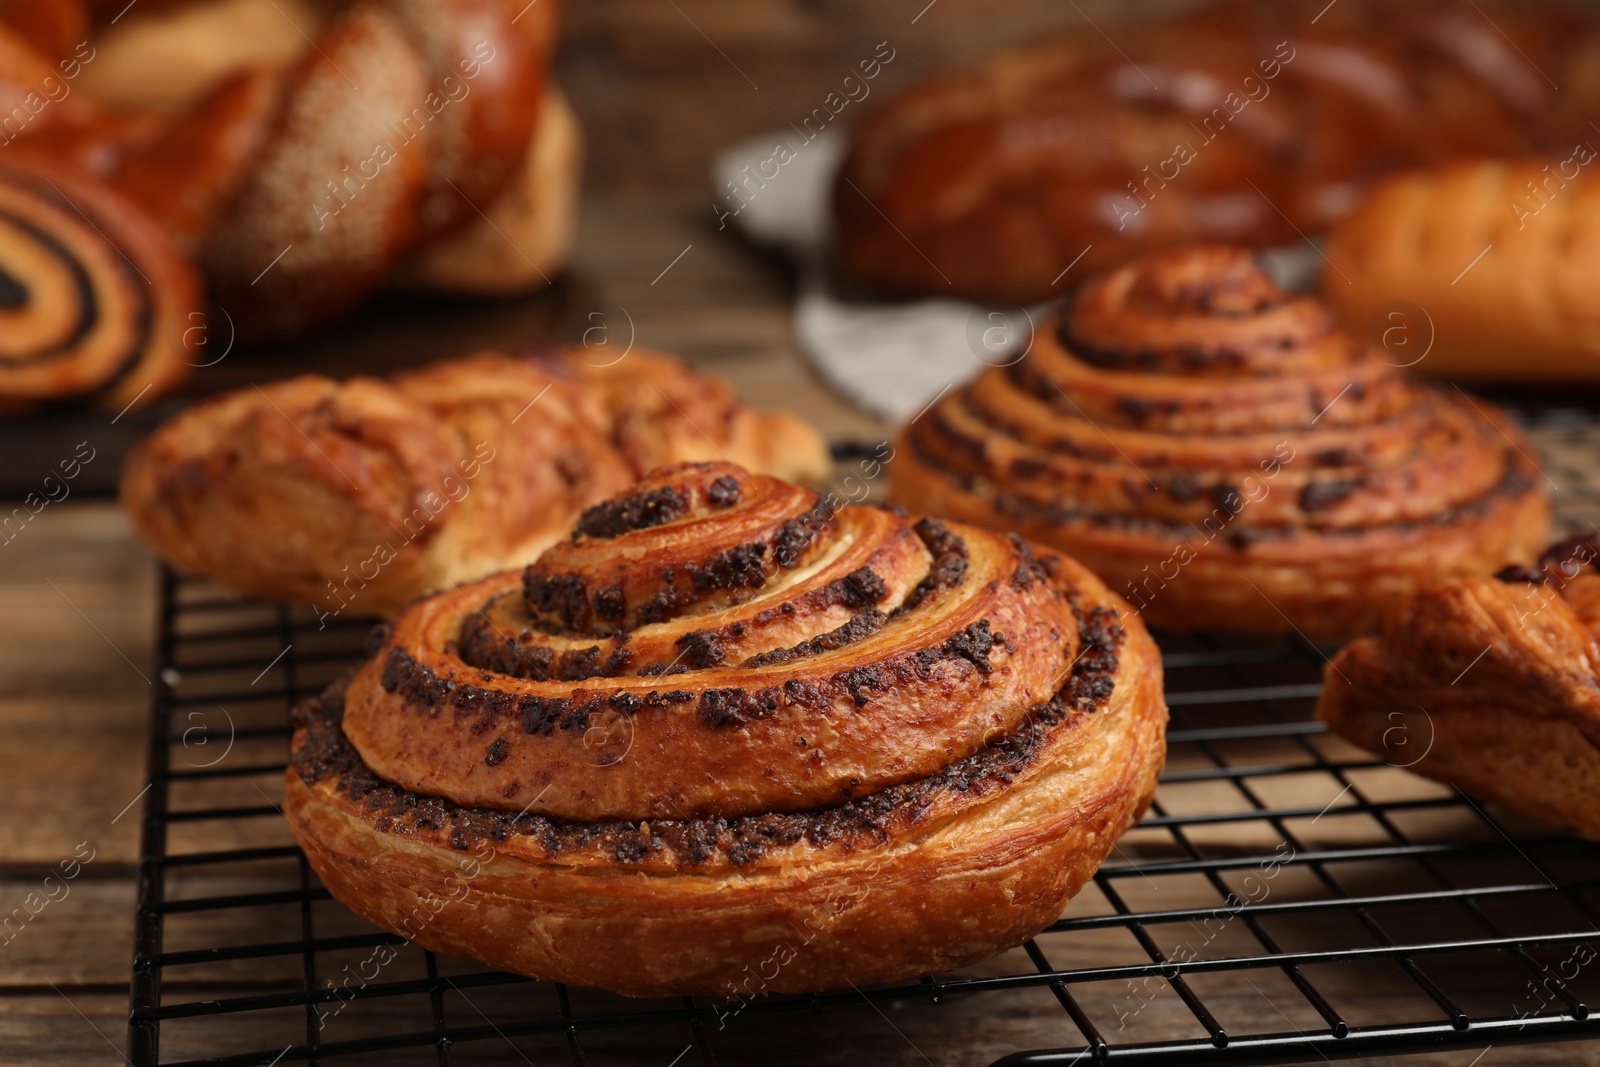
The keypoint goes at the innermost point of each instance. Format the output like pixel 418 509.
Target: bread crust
pixel 1483 266
pixel 1224 456
pixel 1489 685
pixel 909 875
pixel 362 495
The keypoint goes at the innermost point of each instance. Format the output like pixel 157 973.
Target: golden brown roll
pixel 95 304
pixel 1226 457
pixel 1488 684
pixel 363 495
pixel 1485 269
pixel 725 739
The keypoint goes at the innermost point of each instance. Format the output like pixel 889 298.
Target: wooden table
pixel 77 590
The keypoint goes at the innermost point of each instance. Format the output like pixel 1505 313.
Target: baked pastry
pixel 726 740
pixel 1239 122
pixel 299 188
pixel 1482 268
pixel 525 234
pixel 95 304
pixel 1491 685
pixel 1225 457
pixel 362 495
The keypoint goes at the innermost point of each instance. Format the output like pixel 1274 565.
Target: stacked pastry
pixel 723 731
pixel 1489 684
pixel 361 495
pixel 1226 457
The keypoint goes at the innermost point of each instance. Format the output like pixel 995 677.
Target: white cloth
pixel 891 358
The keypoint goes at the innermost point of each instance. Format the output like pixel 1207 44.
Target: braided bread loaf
pixel 1225 457
pixel 723 730
pixel 362 495
pixel 299 189
pixel 1240 122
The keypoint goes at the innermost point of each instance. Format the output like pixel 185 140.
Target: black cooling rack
pixel 1288 898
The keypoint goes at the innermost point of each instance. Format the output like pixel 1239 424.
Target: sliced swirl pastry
pixel 725 739
pixel 1488 684
pixel 96 305
pixel 1226 457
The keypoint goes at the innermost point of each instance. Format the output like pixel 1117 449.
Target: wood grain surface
pixel 660 84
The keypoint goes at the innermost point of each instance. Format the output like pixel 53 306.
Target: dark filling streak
pixel 326 754
pixel 972 644
pixel 567 597
pixel 702 649
pixel 1514 482
pixel 1561 562
pixel 89 302
pixel 949 567
pixel 1195 356
pixel 14 294
pixel 1318 495
pixel 858 628
pixel 1029 568
pixel 484 647
pixel 860 589
pixel 724 492
pixel 639 511
pixel 422 689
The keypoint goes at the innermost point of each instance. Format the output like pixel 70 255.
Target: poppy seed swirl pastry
pixel 96 305
pixel 725 739
pixel 1225 457
pixel 362 495
pixel 1488 684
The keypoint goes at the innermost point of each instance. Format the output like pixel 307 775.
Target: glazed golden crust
pixel 363 495
pixel 97 306
pixel 1490 685
pixel 653 833
pixel 525 236
pixel 1224 456
pixel 1488 263
pixel 1236 121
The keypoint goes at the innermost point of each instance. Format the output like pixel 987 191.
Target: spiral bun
pixel 95 303
pixel 1221 453
pixel 724 722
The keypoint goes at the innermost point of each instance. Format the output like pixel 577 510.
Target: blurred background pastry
pixel 1227 457
pixel 304 155
pixel 1237 121
pixel 96 305
pixel 1479 271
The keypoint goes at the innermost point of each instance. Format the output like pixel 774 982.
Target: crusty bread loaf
pixel 1237 121
pixel 1494 262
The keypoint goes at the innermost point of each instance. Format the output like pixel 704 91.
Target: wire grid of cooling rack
pixel 1288 898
